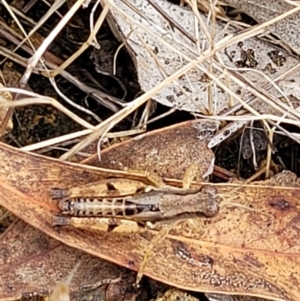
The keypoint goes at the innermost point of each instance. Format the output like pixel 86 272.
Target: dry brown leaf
pixel 168 152
pixel 32 263
pixel 50 255
pixel 240 251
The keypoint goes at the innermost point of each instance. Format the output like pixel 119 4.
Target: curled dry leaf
pixel 245 251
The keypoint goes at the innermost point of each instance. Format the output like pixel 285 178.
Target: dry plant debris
pixel 175 295
pixel 162 39
pixel 166 152
pixel 5 96
pixel 219 255
pixel 40 262
pixel 51 252
pixel 197 64
pixel 286 28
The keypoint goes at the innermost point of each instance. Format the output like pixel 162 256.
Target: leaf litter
pixel 187 254
pixel 52 261
pixel 32 264
pixel 162 42
pixel 10 190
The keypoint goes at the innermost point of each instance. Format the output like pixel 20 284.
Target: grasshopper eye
pixel 211 210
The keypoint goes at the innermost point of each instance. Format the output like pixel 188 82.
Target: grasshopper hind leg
pixel 59 193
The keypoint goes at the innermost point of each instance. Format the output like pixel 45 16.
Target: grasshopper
pixel 133 200
pixel 148 206
pixel 124 204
